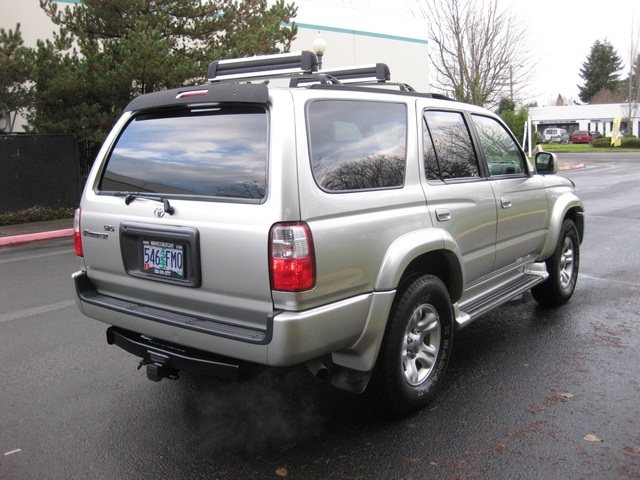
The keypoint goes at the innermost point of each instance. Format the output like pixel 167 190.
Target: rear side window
pixel 500 150
pixel 448 150
pixel 357 145
pixel 214 152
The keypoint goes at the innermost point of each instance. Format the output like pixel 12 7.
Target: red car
pixel 581 136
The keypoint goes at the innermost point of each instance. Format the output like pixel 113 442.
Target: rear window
pixel 357 145
pixel 214 152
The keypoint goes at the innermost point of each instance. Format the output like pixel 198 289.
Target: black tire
pixel 563 268
pixel 416 347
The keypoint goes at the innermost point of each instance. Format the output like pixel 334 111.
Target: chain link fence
pixel 39 170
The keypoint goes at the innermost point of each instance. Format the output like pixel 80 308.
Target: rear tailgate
pixel 175 220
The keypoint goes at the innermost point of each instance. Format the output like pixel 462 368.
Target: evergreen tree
pixel 109 51
pixel 600 70
pixel 515 120
pixel 14 72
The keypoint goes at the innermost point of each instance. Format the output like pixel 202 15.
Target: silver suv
pixel 279 216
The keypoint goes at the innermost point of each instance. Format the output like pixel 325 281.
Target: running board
pixel 475 307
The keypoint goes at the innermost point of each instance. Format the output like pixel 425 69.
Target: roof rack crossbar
pixel 316 77
pixel 378 72
pixel 263 66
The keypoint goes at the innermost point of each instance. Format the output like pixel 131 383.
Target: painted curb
pixel 33 237
pixel 572 167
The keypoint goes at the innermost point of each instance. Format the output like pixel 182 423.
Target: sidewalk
pixel 31 232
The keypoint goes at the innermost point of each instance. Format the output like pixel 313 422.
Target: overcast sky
pixel 561 34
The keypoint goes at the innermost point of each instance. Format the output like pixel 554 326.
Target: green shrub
pixel 630 142
pixel 35 214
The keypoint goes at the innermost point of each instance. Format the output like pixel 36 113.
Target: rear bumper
pixel 287 339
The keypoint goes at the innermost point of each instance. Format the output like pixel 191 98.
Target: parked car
pixel 555 135
pixel 581 136
pixel 596 135
pixel 345 226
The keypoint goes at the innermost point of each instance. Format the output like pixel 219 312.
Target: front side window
pixel 215 152
pixel 500 150
pixel 449 152
pixel 357 145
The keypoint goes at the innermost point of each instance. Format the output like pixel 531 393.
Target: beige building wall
pixel 34 25
pixel 360 36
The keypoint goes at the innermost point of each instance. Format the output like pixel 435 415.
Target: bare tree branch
pixel 479 52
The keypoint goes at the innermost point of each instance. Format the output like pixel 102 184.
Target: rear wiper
pixel 130 197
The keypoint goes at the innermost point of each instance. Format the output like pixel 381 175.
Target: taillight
pixel 77 236
pixel 292 258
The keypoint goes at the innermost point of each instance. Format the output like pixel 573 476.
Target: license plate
pixel 163 259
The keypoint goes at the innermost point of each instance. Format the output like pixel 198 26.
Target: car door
pixel 459 199
pixel 521 199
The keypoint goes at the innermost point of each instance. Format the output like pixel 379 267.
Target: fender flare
pixel 562 206
pixel 362 355
pixel 404 250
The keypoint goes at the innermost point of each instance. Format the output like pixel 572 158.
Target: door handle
pixel 443 214
pixel 505 202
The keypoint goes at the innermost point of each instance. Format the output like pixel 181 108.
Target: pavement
pixel 35 231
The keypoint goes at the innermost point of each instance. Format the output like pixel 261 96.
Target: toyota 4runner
pixel 279 215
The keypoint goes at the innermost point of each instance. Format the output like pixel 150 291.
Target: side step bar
pixel 477 306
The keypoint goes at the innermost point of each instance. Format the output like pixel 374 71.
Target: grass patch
pixel 35 214
pixel 581 148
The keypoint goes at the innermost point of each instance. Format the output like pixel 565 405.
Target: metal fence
pixel 38 170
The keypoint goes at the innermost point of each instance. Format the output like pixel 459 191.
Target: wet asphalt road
pixel 527 393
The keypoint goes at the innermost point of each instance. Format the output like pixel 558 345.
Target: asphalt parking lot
pixel 531 393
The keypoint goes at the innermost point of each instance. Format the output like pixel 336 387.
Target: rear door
pixel 459 198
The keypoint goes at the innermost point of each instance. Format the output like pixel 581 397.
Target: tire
pixel 416 347
pixel 563 268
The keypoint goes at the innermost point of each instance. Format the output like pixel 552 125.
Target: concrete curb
pixel 571 167
pixel 33 237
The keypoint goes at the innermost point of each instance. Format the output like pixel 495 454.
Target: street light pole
pixel 319 46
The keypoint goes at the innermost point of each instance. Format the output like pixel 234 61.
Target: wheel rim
pixel 567 263
pixel 421 344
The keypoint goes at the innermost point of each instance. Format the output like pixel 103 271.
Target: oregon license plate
pixel 163 259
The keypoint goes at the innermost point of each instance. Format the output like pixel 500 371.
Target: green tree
pixel 14 73
pixel 600 70
pixel 109 51
pixel 515 120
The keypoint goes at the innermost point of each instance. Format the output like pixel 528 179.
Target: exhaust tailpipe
pixel 318 369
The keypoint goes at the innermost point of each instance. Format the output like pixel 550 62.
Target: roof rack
pixel 300 67
pixel 263 66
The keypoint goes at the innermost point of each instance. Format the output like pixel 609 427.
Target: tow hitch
pixel 167 360
pixel 158 367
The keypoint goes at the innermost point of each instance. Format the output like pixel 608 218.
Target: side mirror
pixel 546 163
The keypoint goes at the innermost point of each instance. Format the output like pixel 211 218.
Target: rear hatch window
pixel 218 152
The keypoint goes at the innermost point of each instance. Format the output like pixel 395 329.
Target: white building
pixel 594 118
pixel 353 36
pixel 359 36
